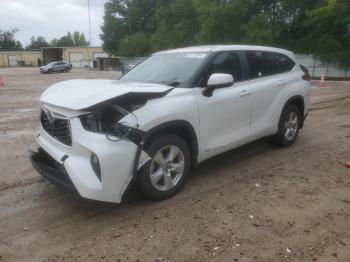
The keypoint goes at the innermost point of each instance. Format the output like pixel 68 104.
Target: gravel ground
pixel 255 203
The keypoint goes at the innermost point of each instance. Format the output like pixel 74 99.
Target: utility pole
pixel 89 33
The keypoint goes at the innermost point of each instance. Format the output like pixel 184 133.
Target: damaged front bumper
pixel 50 169
pixel 71 166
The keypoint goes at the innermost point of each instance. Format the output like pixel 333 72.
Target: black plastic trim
pixel 297 98
pixel 178 124
pixel 51 169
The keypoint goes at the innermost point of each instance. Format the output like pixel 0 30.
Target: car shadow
pixel 224 161
pixel 220 162
pixel 133 199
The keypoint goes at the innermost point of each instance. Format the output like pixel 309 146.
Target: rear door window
pixel 261 64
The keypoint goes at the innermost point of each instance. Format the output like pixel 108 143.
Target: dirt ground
pixel 255 203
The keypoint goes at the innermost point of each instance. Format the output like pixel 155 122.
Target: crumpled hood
pixel 83 93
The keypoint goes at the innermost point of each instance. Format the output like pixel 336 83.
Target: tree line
pixel 8 41
pixel 140 27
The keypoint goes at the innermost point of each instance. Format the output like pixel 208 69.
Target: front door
pixel 225 116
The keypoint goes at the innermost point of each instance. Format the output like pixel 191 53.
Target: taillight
pixel 306 76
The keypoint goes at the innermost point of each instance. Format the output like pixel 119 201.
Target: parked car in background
pixel 59 66
pixel 169 113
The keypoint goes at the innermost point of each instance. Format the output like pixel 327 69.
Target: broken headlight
pixel 120 131
pixel 105 118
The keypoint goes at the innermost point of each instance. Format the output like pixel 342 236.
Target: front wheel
pixel 164 175
pixel 288 127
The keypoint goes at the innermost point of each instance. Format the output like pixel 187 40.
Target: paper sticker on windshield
pixel 194 55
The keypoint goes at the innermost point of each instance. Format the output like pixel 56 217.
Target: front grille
pixel 58 128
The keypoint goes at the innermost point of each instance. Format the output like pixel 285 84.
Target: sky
pixel 51 18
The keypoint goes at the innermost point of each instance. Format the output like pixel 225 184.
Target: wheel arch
pixel 181 128
pixel 298 101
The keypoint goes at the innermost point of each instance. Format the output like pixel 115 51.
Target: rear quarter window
pixel 285 64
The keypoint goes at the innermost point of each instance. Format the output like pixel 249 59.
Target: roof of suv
pixel 215 48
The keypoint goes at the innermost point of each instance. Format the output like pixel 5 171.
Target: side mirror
pixel 216 81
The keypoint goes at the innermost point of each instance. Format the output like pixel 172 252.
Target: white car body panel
pixel 231 117
pixel 224 119
pixel 111 155
pixel 82 93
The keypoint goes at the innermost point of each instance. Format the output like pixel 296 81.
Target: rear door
pixel 62 65
pixel 266 80
pixel 55 66
pixel 225 116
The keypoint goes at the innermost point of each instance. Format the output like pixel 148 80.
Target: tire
pixel 50 71
pixel 288 126
pixel 169 175
pixel 67 70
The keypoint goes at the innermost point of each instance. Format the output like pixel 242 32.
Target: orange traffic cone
pixel 322 82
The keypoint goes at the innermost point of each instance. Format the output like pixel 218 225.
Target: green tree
pixel 8 41
pixel 328 35
pixel 258 31
pixel 221 21
pixel 113 28
pixel 79 39
pixel 291 23
pixel 126 18
pixel 75 39
pixel 278 22
pixel 140 16
pixel 320 27
pixel 37 43
pixel 134 45
pixel 176 25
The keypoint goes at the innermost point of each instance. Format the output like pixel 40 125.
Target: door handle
pixel 244 93
pixel 281 83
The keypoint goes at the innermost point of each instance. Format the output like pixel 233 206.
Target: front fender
pixel 179 105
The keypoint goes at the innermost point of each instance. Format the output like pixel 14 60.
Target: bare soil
pixel 255 203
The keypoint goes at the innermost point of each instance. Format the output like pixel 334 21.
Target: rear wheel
pixel 288 127
pixel 164 175
pixel 67 70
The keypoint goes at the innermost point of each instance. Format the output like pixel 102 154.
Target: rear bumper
pixel 50 169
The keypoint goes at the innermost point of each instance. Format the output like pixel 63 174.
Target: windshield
pixel 51 64
pixel 171 69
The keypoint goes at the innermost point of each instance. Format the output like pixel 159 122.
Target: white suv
pixel 169 113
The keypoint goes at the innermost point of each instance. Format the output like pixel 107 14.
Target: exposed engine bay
pixel 105 117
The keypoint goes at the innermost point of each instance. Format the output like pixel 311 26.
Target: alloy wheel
pixel 167 167
pixel 291 126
